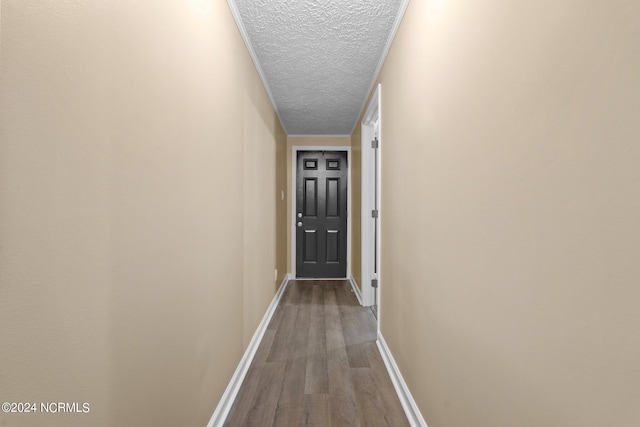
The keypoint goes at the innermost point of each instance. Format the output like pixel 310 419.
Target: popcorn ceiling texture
pixel 318 57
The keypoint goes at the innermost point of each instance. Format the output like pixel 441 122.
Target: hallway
pixel 149 212
pixel 318 364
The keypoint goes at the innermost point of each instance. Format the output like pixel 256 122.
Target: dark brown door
pixel 321 214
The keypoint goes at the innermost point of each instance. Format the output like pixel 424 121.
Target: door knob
pixel 299 214
pixel 299 224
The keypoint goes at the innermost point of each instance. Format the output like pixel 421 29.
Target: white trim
pixel 366 234
pixel 383 57
pixel 355 288
pixel 226 401
pixel 402 390
pixel 371 117
pixel 294 157
pixel 245 37
pixel 373 110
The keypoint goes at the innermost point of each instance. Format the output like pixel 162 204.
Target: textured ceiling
pixel 318 58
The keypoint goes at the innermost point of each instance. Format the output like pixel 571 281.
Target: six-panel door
pixel 321 214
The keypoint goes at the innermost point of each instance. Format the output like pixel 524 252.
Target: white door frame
pixel 370 119
pixel 294 159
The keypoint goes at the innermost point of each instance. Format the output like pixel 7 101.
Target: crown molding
pixel 383 57
pixel 245 37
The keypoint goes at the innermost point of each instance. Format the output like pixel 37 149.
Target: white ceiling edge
pixel 383 57
pixel 245 37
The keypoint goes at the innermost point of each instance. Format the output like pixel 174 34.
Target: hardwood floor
pixel 318 365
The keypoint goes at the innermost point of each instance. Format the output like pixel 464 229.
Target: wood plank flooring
pixel 318 365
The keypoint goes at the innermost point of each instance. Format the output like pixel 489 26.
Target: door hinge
pixel 374 283
pixel 374 213
pixel 374 143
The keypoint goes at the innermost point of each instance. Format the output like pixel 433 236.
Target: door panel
pixel 310 246
pixel 310 197
pixel 321 214
pixel 333 197
pixel 333 246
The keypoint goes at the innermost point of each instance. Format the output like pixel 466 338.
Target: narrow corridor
pixel 318 364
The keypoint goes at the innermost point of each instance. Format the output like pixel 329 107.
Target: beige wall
pixel 282 224
pixel 264 209
pixel 136 144
pixel 293 141
pixel 510 207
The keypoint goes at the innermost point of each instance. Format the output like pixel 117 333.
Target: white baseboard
pixel 356 289
pixel 408 404
pixel 226 401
